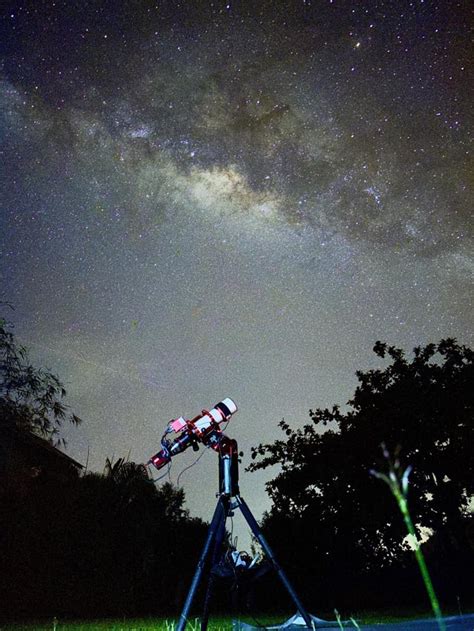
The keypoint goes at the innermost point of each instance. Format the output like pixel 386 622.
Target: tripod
pixel 228 500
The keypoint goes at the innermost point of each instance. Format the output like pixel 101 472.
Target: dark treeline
pixel 74 544
pixel 337 529
pixel 95 545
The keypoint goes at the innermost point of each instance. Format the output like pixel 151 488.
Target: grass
pixel 361 618
pixel 150 624
pixel 94 625
pixel 140 624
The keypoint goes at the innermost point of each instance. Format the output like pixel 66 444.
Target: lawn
pixel 215 623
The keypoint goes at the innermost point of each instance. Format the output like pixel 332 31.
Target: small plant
pixel 340 623
pixel 397 481
pixel 338 618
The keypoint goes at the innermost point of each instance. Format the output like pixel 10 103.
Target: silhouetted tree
pixel 30 398
pixel 100 544
pixel 344 522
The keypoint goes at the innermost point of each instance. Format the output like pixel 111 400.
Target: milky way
pixel 203 200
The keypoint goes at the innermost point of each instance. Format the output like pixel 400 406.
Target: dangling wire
pixel 166 473
pixel 227 423
pixel 165 447
pixel 189 466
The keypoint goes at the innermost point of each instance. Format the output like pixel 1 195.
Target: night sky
pixel 212 199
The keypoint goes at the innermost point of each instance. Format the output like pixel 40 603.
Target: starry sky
pixel 230 198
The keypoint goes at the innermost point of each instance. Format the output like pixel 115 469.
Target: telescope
pixel 206 428
pixel 203 428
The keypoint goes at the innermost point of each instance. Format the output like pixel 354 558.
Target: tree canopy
pixel 31 399
pixel 103 544
pixel 422 409
pixel 96 544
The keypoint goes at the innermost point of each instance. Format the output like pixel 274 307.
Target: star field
pixel 214 199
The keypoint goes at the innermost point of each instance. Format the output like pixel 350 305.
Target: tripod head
pixel 203 428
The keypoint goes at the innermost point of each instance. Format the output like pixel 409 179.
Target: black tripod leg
pixel 258 534
pixel 210 585
pixel 218 517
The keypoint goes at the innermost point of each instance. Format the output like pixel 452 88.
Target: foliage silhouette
pixel 30 398
pixel 100 544
pixel 324 492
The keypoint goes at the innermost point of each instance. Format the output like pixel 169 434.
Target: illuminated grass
pixel 361 618
pixel 93 625
pixel 151 624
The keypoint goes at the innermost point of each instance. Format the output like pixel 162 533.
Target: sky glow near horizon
pixel 202 200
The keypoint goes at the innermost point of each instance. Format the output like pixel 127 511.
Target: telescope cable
pixel 166 473
pixel 189 466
